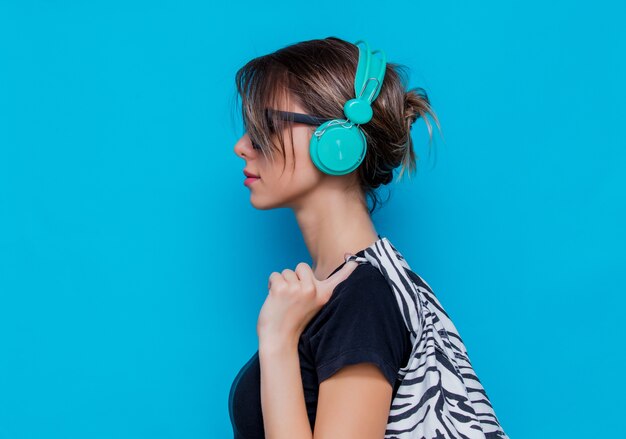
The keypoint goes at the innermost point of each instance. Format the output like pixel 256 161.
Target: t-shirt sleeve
pixel 361 324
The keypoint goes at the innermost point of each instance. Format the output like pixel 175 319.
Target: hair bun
pixel 416 104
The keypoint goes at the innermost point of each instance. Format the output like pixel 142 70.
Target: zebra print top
pixel 440 395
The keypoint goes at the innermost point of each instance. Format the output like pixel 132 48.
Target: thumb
pixel 329 284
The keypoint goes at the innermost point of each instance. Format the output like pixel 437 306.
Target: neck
pixel 332 224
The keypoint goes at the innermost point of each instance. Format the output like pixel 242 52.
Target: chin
pixel 264 204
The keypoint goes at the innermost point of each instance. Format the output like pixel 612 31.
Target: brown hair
pixel 319 75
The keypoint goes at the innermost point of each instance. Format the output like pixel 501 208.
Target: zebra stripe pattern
pixel 440 395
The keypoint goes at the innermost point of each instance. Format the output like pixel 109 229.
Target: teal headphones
pixel 338 146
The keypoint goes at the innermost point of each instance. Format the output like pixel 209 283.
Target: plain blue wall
pixel 133 267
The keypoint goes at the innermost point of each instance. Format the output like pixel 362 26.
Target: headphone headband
pixel 370 72
pixel 338 146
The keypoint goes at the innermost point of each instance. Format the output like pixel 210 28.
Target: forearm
pixel 282 395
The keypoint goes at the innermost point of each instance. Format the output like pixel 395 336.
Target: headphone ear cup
pixel 338 150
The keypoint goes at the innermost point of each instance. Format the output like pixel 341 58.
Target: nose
pixel 243 147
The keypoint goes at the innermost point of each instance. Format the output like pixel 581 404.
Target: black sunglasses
pixel 295 117
pixel 290 116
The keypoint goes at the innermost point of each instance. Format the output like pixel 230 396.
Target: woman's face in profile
pixel 276 187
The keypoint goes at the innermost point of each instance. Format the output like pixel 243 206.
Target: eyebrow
pixel 296 117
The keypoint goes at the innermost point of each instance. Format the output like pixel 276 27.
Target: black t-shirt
pixel 361 322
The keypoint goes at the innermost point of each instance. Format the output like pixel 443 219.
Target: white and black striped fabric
pixel 440 395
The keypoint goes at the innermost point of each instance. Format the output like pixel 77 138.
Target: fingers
pixel 306 276
pixel 290 276
pixel 303 276
pixel 275 280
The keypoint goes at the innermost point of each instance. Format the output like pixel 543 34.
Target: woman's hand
pixel 293 299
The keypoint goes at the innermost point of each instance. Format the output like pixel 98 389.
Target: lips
pixel 249 174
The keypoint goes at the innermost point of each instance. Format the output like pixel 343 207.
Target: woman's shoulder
pixel 361 322
pixel 365 280
pixel 364 293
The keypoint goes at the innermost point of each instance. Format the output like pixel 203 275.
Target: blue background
pixel 133 267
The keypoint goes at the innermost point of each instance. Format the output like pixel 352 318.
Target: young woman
pixel 331 336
